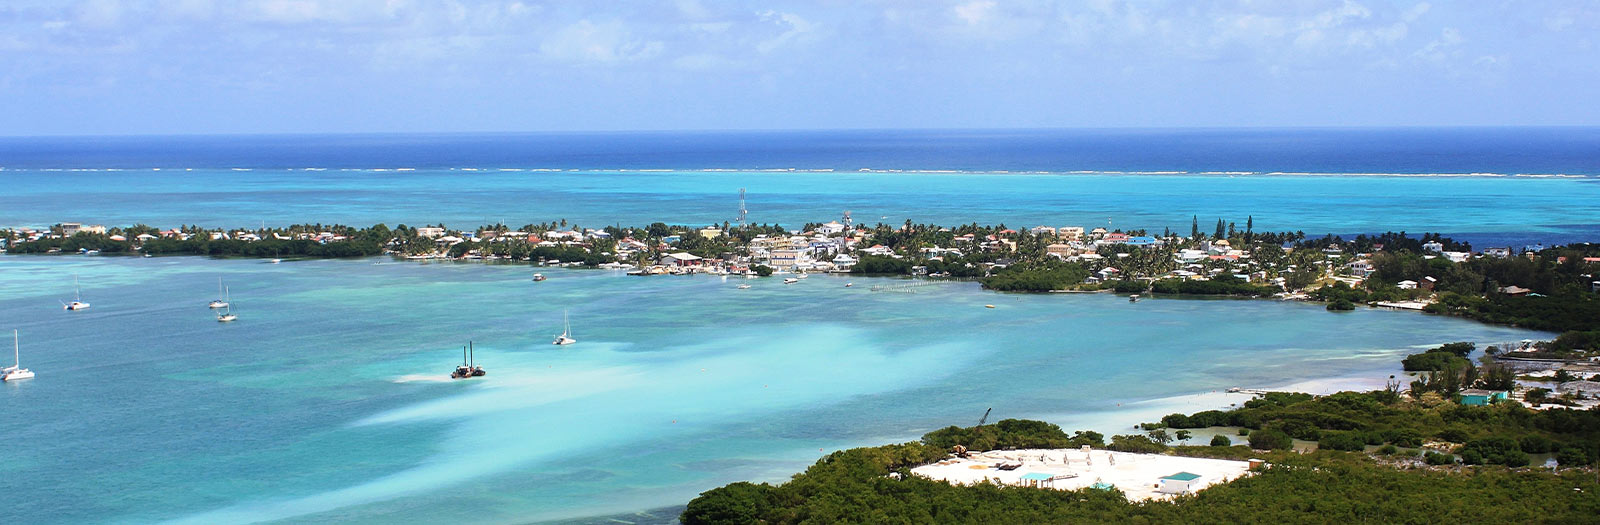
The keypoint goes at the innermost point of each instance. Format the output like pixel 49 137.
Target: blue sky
pixel 266 66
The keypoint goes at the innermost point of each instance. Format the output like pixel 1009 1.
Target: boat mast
pixel 471 359
pixel 16 348
pixel 77 293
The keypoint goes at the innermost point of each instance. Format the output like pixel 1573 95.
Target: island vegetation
pixel 1333 484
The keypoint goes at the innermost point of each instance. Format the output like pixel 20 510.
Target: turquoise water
pixel 326 400
pixel 1487 210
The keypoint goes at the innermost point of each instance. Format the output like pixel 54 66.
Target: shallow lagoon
pixel 325 401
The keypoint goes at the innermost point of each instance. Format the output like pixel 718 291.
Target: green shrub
pixel 1270 439
pixel 1220 440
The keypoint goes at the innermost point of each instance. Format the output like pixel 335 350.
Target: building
pixel 1479 397
pixel 1180 483
pixel 432 232
pixel 831 228
pixel 1060 250
pixel 843 262
pixel 1514 291
pixel 1406 285
pixel 680 259
pixel 711 233
pixel 784 259
pixel 1071 233
pixel 69 229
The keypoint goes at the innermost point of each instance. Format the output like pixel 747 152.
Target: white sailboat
pixel 15 372
pixel 223 302
pixel 566 332
pixel 77 298
pixel 227 314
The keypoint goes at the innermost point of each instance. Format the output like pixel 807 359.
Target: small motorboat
pixel 988 306
pixel 744 287
pixel 1133 298
pixel 790 280
pixel 847 285
pixel 538 277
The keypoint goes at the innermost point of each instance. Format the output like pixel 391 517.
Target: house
pixel 878 249
pixel 1071 233
pixel 1108 273
pixel 1060 250
pixel 711 233
pixel 1427 283
pixel 785 259
pixel 1480 397
pixel 1432 247
pixel 831 228
pixel 1180 483
pixel 1043 230
pixel 69 229
pixel 1361 268
pixel 432 232
pixel 1406 285
pixel 843 262
pixel 1514 291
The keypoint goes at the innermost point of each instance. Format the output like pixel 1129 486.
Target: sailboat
pixel 77 298
pixel 15 372
pixel 227 314
pixel 566 332
pixel 468 368
pixel 223 302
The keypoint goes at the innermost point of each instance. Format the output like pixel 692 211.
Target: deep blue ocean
pixel 1574 151
pixel 1492 186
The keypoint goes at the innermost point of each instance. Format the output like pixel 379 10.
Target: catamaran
pixel 227 314
pixel 77 298
pixel 223 302
pixel 15 372
pixel 566 332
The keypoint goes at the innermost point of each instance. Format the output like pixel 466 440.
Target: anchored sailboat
pixel 15 372
pixel 77 298
pixel 566 332
pixel 223 302
pixel 227 314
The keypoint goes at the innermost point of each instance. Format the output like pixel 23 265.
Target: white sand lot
pixel 1136 475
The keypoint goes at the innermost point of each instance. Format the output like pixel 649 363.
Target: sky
pixel 135 67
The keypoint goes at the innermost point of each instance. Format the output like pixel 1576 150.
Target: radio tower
pixel 742 211
pixel 847 220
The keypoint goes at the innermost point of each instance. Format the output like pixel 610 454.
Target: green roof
pixel 1182 476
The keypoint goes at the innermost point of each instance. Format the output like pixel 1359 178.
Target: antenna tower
pixel 742 211
pixel 847 219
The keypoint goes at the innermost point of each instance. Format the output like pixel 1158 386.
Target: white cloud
pixel 603 43
pixel 1441 48
pixel 974 13
pixel 795 27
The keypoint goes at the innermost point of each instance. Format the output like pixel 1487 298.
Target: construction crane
pixel 985 418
